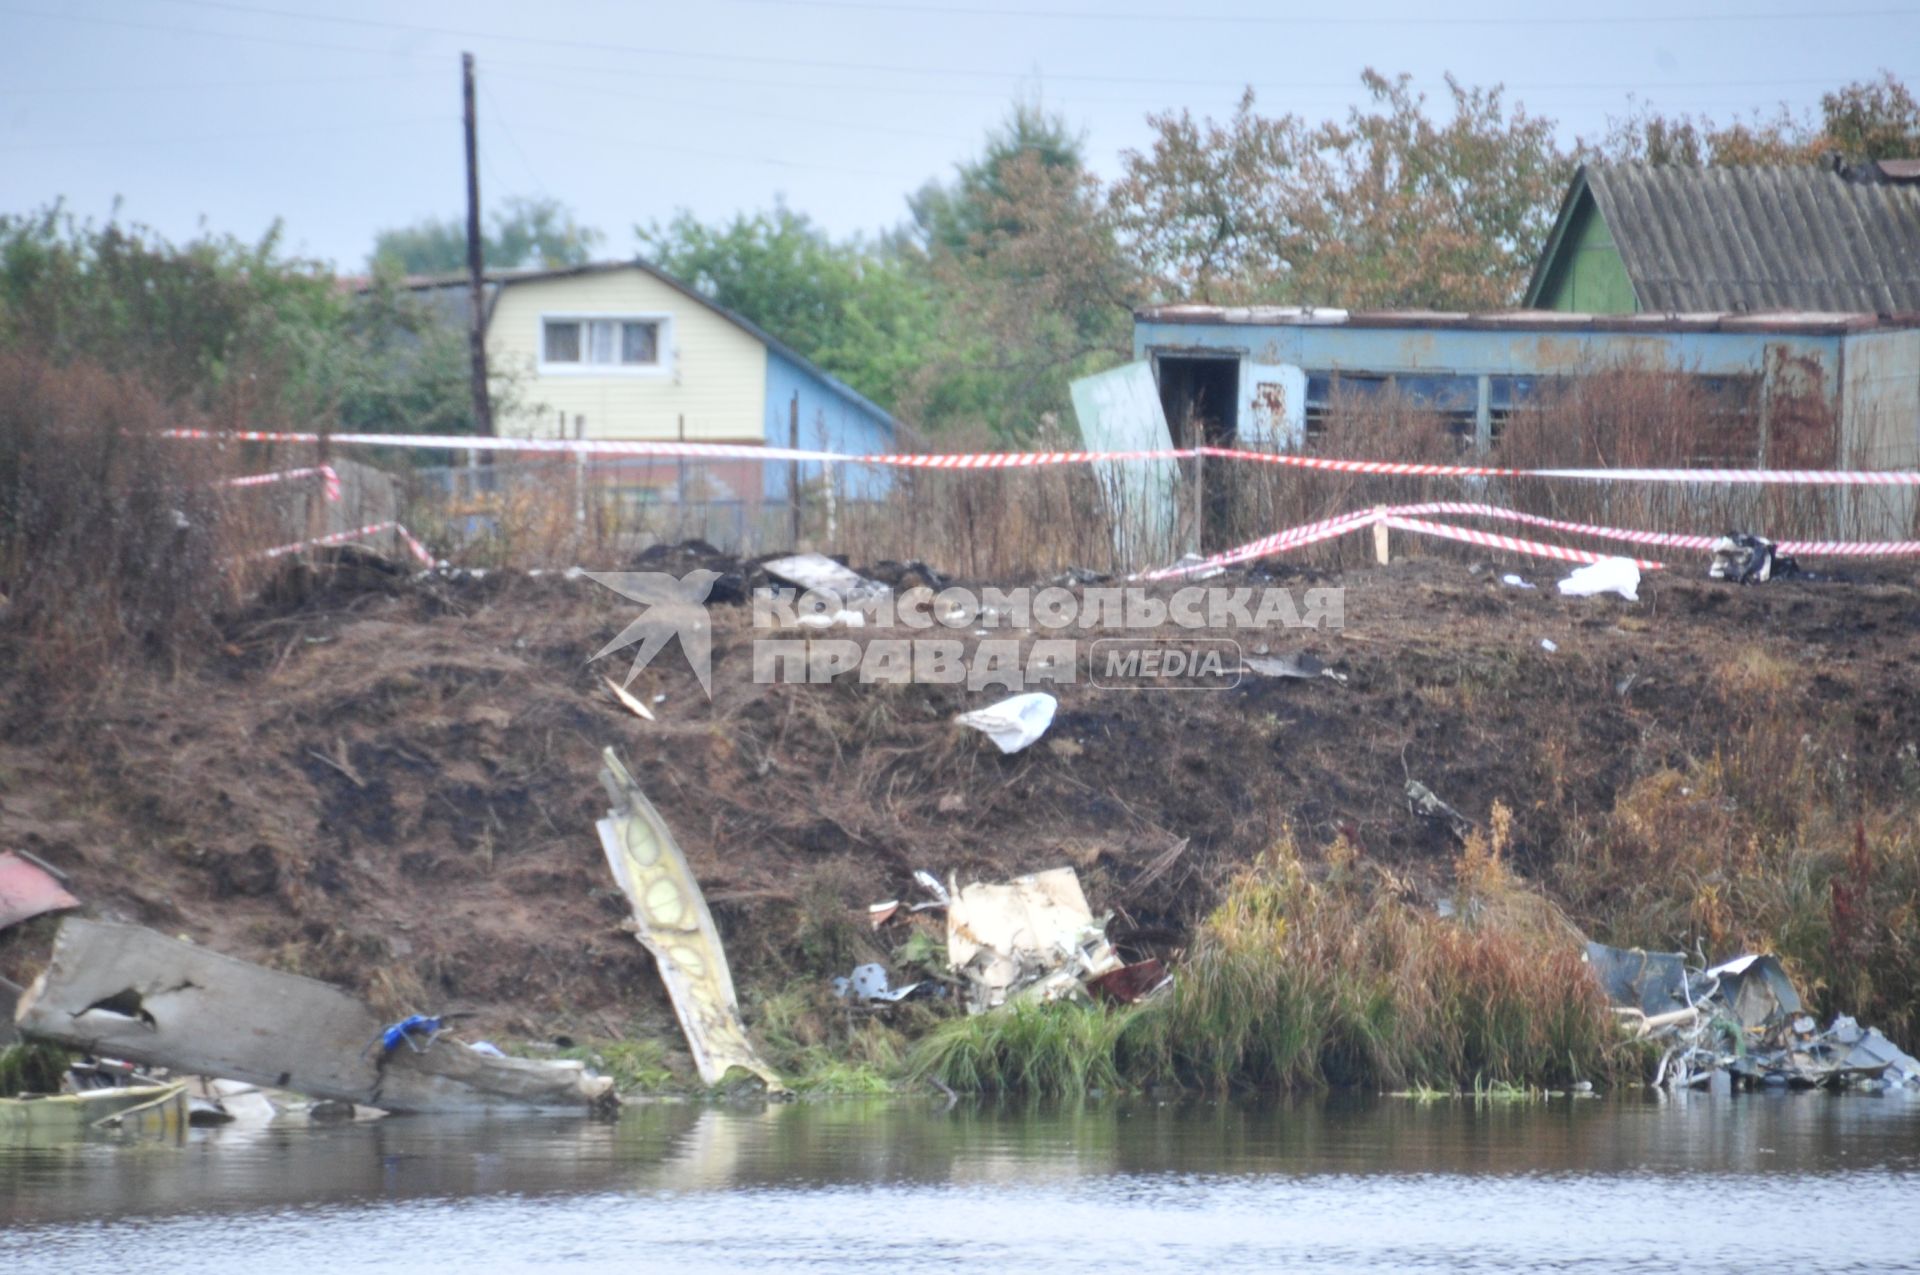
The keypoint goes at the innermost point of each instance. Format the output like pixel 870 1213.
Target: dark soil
pixel 390 783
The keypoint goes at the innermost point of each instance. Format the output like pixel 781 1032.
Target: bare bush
pixel 112 539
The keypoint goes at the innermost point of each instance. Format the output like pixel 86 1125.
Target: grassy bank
pixel 1331 976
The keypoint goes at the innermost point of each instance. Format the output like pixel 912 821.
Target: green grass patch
pixel 32 1067
pixel 1058 1050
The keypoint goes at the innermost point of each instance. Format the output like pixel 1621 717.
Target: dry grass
pixel 1023 523
pixel 1327 975
pixel 1342 979
pixel 1774 841
pixel 114 542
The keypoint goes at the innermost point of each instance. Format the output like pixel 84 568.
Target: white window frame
pixel 663 346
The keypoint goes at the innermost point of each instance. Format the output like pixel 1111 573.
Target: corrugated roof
pixel 1806 322
pixel 494 280
pixel 1801 237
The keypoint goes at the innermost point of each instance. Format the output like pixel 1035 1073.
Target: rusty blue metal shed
pixel 1861 370
pixel 1817 390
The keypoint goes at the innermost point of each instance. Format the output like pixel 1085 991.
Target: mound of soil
pixel 389 782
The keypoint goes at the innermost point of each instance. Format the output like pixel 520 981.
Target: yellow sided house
pixel 623 351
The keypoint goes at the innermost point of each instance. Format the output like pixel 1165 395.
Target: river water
pixel 1779 1182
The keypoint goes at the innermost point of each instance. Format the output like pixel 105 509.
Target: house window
pixel 594 343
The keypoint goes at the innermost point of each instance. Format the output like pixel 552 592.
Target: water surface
pixel 1788 1182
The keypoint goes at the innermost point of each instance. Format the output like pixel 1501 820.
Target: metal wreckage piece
pixel 1740 1019
pixel 671 920
pixel 123 991
pixel 1032 938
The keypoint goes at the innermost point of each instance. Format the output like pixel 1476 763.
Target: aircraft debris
pixel 1609 575
pixel 671 920
pixel 123 991
pixel 1740 1021
pixel 1030 938
pixel 1013 724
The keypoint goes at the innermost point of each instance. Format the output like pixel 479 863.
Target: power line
pixel 728 108
pixel 1321 19
pixel 178 139
pixel 70 89
pixel 643 145
pixel 500 118
pixel 228 6
pixel 1225 86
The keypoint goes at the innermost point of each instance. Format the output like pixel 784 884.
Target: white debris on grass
pixel 1609 575
pixel 1014 723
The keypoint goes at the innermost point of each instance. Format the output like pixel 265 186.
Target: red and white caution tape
pixel 1412 518
pixel 1663 539
pixel 1267 546
pixel 1739 477
pixel 1849 548
pixel 326 473
pixel 1494 540
pixel 358 533
pixel 1027 460
pixel 1379 468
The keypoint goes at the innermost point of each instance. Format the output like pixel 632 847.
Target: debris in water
pixel 124 991
pixel 1741 1020
pixel 671 919
pixel 1014 723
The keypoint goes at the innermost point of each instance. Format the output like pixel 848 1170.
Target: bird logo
pixel 675 607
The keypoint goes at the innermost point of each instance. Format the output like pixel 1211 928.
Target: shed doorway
pixel 1200 395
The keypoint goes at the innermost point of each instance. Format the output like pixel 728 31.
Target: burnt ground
pixel 390 783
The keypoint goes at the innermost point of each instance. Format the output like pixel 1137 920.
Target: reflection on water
pixel 1809 1181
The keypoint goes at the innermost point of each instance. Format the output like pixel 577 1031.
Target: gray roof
pixel 1803 237
pixel 448 296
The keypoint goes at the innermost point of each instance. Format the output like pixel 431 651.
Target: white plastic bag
pixel 1012 724
pixel 1609 575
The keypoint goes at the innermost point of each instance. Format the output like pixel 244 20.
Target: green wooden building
pixel 1672 239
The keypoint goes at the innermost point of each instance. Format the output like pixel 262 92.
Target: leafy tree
pixel 853 307
pixel 956 215
pixel 1219 212
pixel 522 232
pixel 1390 207
pixel 1420 212
pixel 232 329
pixel 1864 120
pixel 1039 292
pixel 1872 119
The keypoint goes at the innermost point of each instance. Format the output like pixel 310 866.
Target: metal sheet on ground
pixel 1004 933
pixel 124 991
pixel 28 890
pixel 1120 411
pixel 671 919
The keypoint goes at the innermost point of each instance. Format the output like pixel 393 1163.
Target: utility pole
pixel 476 268
pixel 793 474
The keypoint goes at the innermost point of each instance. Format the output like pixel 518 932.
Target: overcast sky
pixel 341 117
